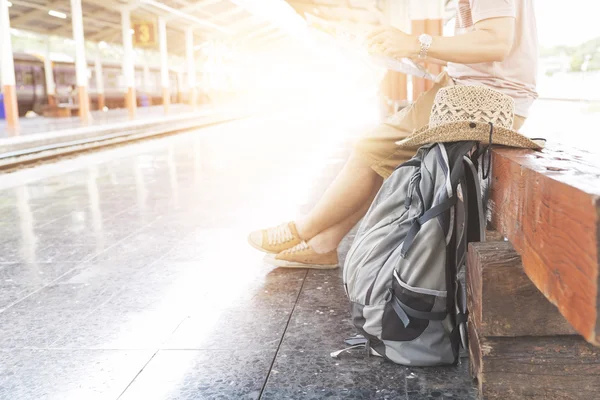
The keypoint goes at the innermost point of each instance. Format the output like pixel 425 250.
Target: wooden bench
pixel 534 326
pixel 60 110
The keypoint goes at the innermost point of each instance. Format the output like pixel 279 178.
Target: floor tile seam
pixel 137 349
pixel 77 264
pixel 138 374
pixel 118 242
pixel 236 349
pixel 264 386
pixel 51 221
pixel 110 297
pixel 114 216
pixel 172 250
pixel 71 349
pixel 101 304
pixel 86 315
pixel 406 383
pixel 4 263
pixel 39 289
pixel 167 337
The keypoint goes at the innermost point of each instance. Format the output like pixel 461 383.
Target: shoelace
pixel 336 354
pixel 279 234
pixel 297 248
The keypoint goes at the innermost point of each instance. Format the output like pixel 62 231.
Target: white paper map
pixel 354 43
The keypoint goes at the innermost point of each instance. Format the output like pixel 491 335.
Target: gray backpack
pixel 402 272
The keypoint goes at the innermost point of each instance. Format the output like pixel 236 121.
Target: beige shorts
pixel 379 147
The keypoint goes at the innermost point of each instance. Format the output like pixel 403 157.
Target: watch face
pixel 425 39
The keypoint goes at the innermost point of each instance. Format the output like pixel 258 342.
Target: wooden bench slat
pixel 548 206
pixel 534 367
pixel 502 300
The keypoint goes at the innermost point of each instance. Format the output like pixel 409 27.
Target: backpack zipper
pixel 416 177
pixel 358 268
pixel 356 245
pixel 414 186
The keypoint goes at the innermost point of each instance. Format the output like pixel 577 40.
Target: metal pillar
pixel 11 108
pixel 80 63
pixel 128 68
pixel 191 66
pixel 49 74
pixel 164 63
pixel 99 82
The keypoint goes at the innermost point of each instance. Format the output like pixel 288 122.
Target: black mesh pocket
pixel 398 324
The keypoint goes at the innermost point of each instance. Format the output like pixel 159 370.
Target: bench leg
pixel 520 345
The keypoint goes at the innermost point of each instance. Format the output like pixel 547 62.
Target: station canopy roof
pixel 256 22
pixel 210 19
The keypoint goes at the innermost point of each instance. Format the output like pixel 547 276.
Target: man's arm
pixel 430 60
pixel 490 40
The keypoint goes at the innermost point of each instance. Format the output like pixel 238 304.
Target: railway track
pixel 29 157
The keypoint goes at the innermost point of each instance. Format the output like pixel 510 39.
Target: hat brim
pixel 467 130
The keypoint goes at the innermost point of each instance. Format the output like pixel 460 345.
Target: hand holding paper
pixel 393 43
pixel 386 47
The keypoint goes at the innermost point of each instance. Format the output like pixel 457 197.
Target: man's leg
pixel 375 158
pixel 328 239
pixel 348 195
pixel 320 252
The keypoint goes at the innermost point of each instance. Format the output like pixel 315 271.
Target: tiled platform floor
pixel 29 126
pixel 125 274
pixel 41 124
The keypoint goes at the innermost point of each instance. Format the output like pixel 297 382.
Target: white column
pixel 179 86
pixel 128 68
pixel 7 68
pixel 80 63
pixel 164 62
pixel 146 79
pixel 48 71
pixel 99 82
pixel 191 65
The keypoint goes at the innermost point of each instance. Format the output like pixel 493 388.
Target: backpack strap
pixel 470 228
pixel 476 204
pixel 405 312
pixel 420 221
pixel 458 150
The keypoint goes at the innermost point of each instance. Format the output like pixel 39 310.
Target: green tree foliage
pixel 589 51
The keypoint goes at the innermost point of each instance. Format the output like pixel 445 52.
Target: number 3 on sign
pixel 144 33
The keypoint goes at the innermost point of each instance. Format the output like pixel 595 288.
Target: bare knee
pixel 358 161
pixel 363 168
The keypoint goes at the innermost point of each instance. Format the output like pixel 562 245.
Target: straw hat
pixel 470 113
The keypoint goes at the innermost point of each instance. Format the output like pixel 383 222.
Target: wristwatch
pixel 425 41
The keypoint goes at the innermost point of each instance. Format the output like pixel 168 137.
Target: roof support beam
pixel 185 16
pixel 37 10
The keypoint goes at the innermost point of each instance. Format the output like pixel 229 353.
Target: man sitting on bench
pixel 495 45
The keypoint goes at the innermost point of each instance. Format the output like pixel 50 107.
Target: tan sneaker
pixel 275 240
pixel 303 256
